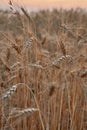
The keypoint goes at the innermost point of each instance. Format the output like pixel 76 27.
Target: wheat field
pixel 43 69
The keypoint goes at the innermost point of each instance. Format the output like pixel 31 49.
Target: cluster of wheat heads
pixel 43 83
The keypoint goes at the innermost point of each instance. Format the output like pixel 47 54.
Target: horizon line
pixel 42 7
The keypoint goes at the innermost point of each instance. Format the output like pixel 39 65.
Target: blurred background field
pixel 43 69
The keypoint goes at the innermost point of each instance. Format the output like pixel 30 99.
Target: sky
pixel 44 4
